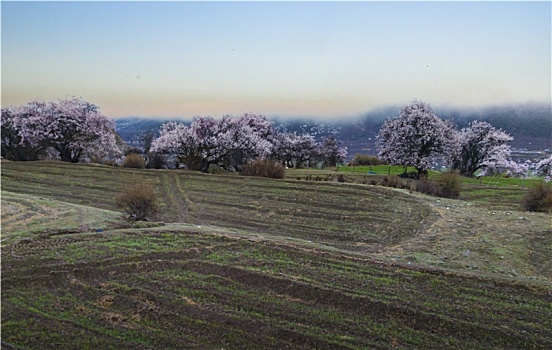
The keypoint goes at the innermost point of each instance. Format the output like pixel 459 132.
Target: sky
pixel 325 59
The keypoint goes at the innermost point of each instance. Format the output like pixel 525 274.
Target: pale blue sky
pixel 329 59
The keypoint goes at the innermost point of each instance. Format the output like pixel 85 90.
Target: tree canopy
pixel 544 169
pixel 417 137
pixel 69 130
pixel 479 143
pixel 232 142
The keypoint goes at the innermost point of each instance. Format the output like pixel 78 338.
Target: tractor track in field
pixel 177 207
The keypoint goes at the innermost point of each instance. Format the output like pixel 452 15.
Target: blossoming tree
pixel 229 142
pixel 480 145
pixel 417 137
pixel 499 162
pixel 331 152
pixel 294 150
pixel 13 147
pixel 544 169
pixel 68 129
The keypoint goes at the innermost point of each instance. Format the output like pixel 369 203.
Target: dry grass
pixel 138 200
pixel 265 168
pixel 134 161
pixel 539 199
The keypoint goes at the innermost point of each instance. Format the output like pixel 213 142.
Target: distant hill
pixel 132 129
pixel 529 124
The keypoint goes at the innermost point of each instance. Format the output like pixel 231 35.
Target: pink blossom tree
pixel 172 136
pixel 417 137
pixel 498 163
pixel 294 150
pixel 331 152
pixel 479 144
pixel 517 169
pixel 282 148
pixel 69 129
pixel 544 169
pixel 13 147
pixel 242 139
pixel 230 142
pixel 188 143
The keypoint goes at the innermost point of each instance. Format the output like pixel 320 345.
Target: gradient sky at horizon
pixel 327 59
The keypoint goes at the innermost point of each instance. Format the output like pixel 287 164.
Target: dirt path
pixel 176 207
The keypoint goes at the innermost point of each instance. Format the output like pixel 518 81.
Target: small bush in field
pixel 337 178
pixel 138 200
pixel 215 169
pixel 428 187
pixel 364 159
pixel 156 161
pixel 450 185
pixel 391 181
pixel 538 199
pixel 134 161
pixel 265 168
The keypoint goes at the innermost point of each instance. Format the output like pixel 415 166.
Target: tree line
pixel 74 130
pixel 417 137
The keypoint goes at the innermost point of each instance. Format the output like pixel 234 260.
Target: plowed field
pixel 245 263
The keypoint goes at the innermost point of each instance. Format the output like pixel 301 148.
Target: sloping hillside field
pixel 245 263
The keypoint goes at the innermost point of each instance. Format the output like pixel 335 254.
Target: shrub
pixel 156 161
pixel 539 198
pixel 337 178
pixel 265 168
pixel 428 187
pixel 138 200
pixel 134 161
pixel 215 169
pixel 412 175
pixel 364 159
pixel 391 181
pixel 450 185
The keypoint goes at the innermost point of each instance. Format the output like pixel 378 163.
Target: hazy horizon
pixel 177 60
pixel 378 112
